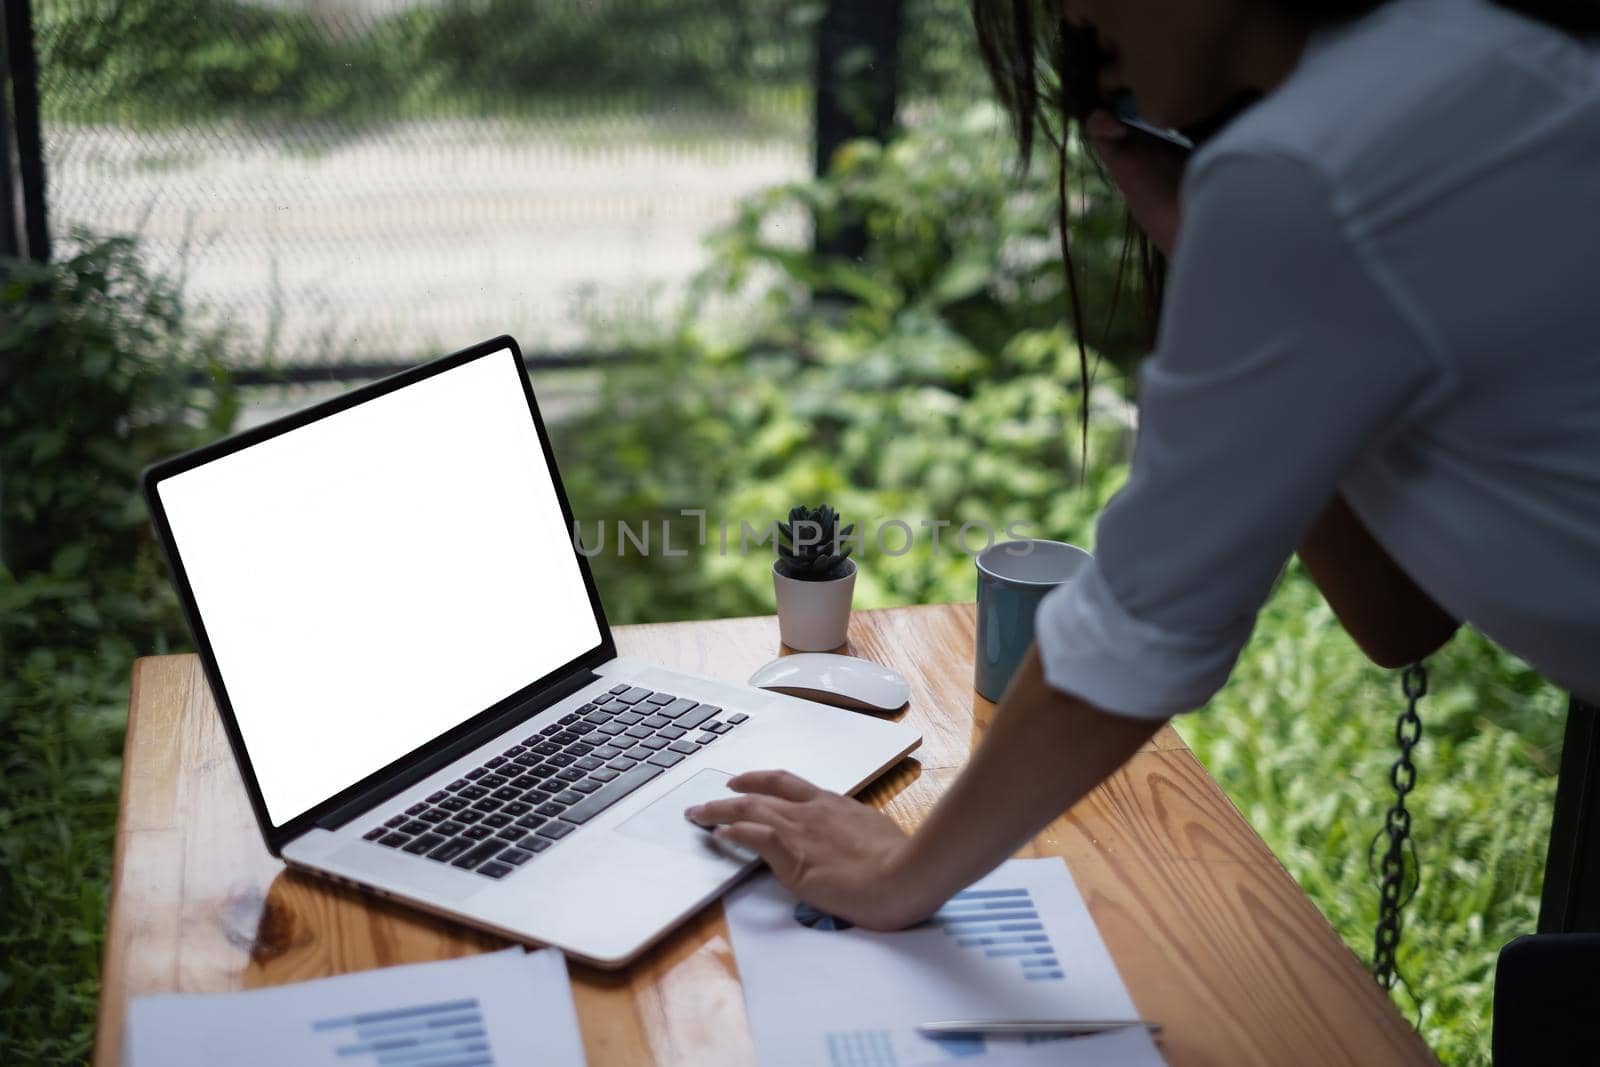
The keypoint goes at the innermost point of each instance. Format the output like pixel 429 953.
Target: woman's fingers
pixel 765 841
pixel 835 853
pixel 774 783
pixel 754 821
pixel 749 807
pixel 763 794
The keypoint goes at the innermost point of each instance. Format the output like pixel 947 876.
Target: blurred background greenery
pixel 170 61
pixel 939 382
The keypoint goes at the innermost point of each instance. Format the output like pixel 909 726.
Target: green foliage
pixel 166 60
pixel 811 547
pixel 700 49
pixel 100 376
pixel 945 391
pixel 102 61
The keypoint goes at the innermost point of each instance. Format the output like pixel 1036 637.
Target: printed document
pixel 500 1009
pixel 1018 944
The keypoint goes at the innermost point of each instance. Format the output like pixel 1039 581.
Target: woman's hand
pixel 835 853
pixel 1147 173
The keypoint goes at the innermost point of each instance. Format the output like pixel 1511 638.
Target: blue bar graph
pixel 990 917
pixel 1002 924
pixel 1012 939
pixel 861 1048
pixel 448 1034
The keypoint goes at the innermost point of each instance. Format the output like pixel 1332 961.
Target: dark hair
pixel 1043 73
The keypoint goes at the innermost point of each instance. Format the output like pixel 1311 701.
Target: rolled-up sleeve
pixel 1280 358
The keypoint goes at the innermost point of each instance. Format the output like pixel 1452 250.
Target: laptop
pixel 418 682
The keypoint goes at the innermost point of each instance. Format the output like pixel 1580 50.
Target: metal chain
pixel 1393 895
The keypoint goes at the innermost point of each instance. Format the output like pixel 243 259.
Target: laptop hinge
pixel 403 779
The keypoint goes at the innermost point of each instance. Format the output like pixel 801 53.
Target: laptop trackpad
pixel 663 823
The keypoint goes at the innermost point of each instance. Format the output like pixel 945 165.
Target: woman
pixel 1379 346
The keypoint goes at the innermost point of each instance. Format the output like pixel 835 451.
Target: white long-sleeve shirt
pixel 1386 285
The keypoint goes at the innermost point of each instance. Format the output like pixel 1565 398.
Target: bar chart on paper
pixel 496 1009
pixel 447 1034
pixel 1002 924
pixel 1018 944
pixel 883 1048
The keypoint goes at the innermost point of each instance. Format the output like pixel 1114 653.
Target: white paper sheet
pixel 1018 944
pixel 501 1009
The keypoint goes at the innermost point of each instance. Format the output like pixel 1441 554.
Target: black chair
pixel 1547 985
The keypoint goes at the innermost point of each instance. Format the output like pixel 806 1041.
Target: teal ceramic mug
pixel 1013 576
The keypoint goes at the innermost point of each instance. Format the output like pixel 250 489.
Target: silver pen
pixel 1032 1026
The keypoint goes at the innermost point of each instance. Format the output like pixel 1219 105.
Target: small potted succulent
pixel 813 579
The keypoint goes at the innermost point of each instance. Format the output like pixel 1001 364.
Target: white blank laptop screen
pixel 379 576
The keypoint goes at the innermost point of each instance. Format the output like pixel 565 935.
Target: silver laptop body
pixel 422 693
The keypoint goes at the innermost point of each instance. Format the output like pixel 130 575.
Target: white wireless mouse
pixel 843 681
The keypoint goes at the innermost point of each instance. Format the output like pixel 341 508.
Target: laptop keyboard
pixel 504 813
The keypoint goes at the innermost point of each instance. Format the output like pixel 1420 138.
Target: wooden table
pixel 1212 936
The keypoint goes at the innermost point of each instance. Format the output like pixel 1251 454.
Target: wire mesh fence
pixel 357 182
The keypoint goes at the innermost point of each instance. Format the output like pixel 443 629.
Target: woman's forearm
pixel 1382 609
pixel 1042 753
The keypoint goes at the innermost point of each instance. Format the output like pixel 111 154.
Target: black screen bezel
pixel 278 835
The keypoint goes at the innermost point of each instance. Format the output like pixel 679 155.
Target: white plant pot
pixel 814 616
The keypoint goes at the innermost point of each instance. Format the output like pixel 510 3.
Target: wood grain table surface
pixel 1211 935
